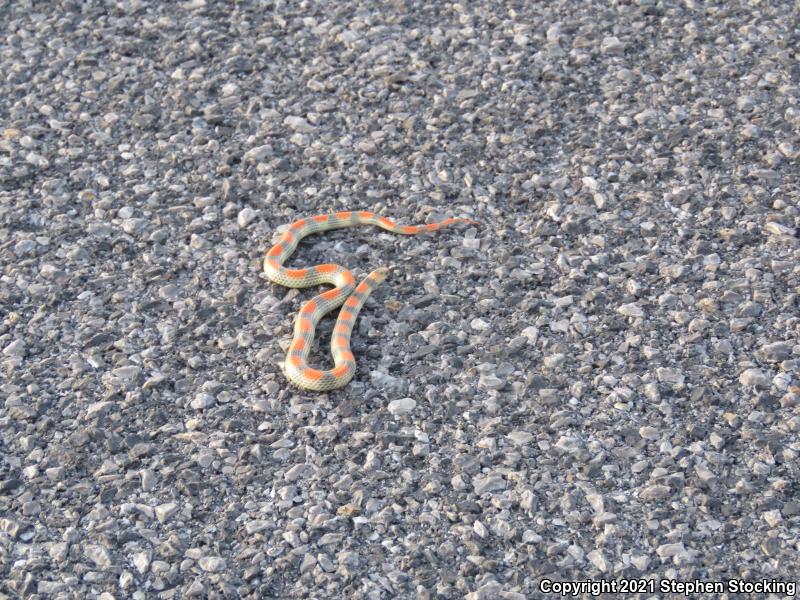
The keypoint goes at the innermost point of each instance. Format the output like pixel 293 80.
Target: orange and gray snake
pixel 345 292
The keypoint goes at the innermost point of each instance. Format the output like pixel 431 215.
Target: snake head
pixel 379 274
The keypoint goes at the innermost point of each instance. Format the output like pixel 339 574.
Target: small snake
pixel 346 292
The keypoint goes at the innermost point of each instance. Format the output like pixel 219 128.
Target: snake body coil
pixel 345 292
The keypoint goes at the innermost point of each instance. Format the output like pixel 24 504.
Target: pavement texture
pixel 599 381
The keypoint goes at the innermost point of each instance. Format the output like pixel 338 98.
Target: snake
pixel 345 293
